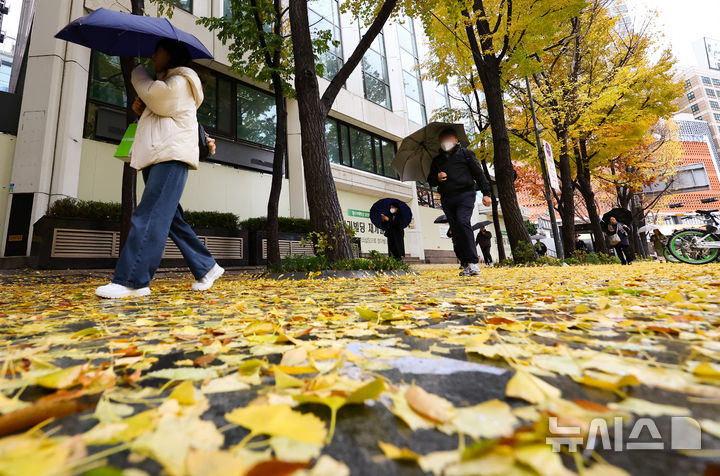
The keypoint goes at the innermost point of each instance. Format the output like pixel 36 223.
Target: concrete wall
pixel 7 149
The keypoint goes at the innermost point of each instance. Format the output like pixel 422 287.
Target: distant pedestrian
pixel 580 244
pixel 456 173
pixel 165 147
pixel 395 232
pixel 620 240
pixel 540 248
pixel 658 241
pixel 484 241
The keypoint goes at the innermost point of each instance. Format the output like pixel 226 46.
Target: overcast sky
pixel 682 22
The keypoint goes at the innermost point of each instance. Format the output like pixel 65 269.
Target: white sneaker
pixel 472 270
pixel 206 282
pixel 117 291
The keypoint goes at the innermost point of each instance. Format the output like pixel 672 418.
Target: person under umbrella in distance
pixel 165 147
pixel 580 244
pixel 540 248
pixel 456 172
pixel 620 240
pixel 483 240
pixel 395 232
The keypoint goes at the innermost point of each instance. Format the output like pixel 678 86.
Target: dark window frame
pixel 377 152
pixel 211 130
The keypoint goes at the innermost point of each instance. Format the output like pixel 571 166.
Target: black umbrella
pixel 623 215
pixel 382 207
pixel 481 224
pixel 441 219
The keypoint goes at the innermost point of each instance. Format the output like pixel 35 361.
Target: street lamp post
pixel 545 176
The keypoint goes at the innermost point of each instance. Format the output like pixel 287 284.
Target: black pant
pixel 624 253
pixel 458 209
pixel 486 254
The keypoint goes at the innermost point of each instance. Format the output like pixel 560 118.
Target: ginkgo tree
pixel 599 93
pixel 500 40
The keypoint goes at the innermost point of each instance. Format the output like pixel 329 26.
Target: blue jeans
pixel 458 209
pixel 158 215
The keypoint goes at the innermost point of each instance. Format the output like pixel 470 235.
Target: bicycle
pixel 697 245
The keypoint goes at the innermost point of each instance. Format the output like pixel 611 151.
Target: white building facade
pixel 71 118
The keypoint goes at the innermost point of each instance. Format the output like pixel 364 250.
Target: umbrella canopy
pixel 382 207
pixel 538 237
pixel 623 215
pixel 122 34
pixel 441 219
pixel 648 228
pixel 417 151
pixel 481 224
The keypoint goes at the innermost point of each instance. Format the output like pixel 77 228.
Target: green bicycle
pixel 697 245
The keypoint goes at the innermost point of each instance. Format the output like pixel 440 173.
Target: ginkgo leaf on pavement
pixel 279 420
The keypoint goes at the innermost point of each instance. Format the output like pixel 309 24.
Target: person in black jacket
pixel 580 244
pixel 540 248
pixel 456 173
pixel 622 248
pixel 483 240
pixel 395 232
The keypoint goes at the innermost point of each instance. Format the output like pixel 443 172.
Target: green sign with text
pixel 358 213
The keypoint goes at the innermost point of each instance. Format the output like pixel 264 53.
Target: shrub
pixel 111 211
pixel 374 262
pixel 228 221
pixel 524 253
pixel 92 210
pixel 285 225
pixel 531 228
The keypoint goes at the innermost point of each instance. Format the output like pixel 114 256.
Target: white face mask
pixel 393 210
pixel 447 145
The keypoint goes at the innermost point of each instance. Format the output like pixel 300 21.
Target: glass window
pixel 227 8
pixel 5 70
pixel 716 82
pixel 699 118
pixel 333 140
pixel 388 154
pixel 186 5
pixel 716 116
pixel 442 96
pixel 706 80
pixel 688 83
pixel 256 116
pixel 710 92
pixel 695 108
pixel 359 149
pixel 411 75
pixel 224 105
pixel 714 105
pixel 106 81
pixel 376 81
pixel 690 96
pixel 324 15
pixel 207 113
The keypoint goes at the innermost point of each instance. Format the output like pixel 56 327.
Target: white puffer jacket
pixel 168 128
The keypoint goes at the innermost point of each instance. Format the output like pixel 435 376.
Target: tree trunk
pixel 325 213
pixel 567 198
pixel 273 246
pixel 495 215
pixel 504 171
pixel 585 187
pixel 129 176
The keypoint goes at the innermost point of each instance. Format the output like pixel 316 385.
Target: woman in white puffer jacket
pixel 165 147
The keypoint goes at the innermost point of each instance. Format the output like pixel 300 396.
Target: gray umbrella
pixel 414 157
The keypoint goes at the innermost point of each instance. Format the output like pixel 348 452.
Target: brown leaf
pixel 57 405
pixel 276 468
pixel 204 360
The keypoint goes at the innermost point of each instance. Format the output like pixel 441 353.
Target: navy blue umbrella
pixel 122 34
pixel 382 207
